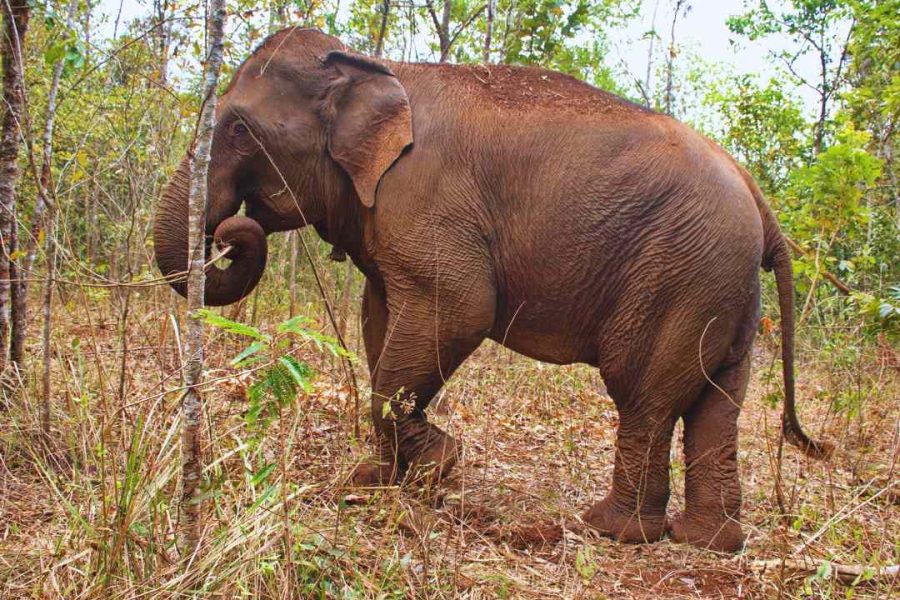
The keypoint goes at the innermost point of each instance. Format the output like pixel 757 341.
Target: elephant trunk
pixel 243 235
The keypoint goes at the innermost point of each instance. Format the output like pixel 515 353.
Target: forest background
pixel 105 104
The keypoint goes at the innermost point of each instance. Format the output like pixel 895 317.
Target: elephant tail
pixel 777 258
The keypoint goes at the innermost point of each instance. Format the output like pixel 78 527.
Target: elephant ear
pixel 369 120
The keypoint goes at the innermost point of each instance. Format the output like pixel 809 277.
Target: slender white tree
pixel 196 281
pixel 43 218
pixel 16 14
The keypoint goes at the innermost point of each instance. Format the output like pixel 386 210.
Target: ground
pixel 94 516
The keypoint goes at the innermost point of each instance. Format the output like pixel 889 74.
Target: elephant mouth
pixel 238 238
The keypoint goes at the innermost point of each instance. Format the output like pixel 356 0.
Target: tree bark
pixel 670 62
pixel 43 220
pixel 15 18
pixel 646 92
pixel 292 285
pixel 46 390
pixel 444 33
pixel 162 33
pixel 488 33
pixel 382 31
pixel 193 345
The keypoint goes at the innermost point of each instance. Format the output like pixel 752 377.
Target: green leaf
pixel 254 411
pixel 298 324
pixel 299 371
pixel 262 474
pixel 584 563
pixel 55 53
pixel 824 570
pixel 247 352
pixel 219 322
pixel 263 497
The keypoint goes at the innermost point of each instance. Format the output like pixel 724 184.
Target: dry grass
pixel 95 516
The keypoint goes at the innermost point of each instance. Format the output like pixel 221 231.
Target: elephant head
pixel 304 132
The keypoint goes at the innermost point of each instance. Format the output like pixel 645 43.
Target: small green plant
pixel 585 564
pixel 278 376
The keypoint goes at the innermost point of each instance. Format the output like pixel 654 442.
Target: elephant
pixel 516 204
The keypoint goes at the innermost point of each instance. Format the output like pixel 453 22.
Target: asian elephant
pixel 521 205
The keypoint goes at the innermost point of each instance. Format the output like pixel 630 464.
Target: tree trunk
pixel 346 290
pixel 46 403
pixel 43 219
pixel 488 33
pixel 161 32
pixel 670 63
pixel 382 31
pixel 15 18
pixel 193 346
pixel 292 285
pixel 647 91
pixel 444 32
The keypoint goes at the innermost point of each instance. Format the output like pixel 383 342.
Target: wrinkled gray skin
pixel 518 205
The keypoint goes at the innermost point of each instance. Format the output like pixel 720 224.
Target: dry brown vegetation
pixel 89 495
pixel 94 516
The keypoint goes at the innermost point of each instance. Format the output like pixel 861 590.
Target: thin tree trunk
pixel 670 63
pixel 647 90
pixel 277 16
pixel 15 17
pixel 191 467
pixel 18 303
pixel 444 32
pixel 46 403
pixel 161 34
pixel 43 219
pixel 819 136
pixel 347 288
pixel 382 31
pixel 292 285
pixel 488 33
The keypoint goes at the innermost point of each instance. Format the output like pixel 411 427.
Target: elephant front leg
pixel 411 369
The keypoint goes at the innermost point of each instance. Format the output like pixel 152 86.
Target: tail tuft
pixel 817 450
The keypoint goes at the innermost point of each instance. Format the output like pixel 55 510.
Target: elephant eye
pixel 239 128
pixel 242 139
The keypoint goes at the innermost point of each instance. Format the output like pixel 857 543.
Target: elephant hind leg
pixel 651 384
pixel 635 508
pixel 711 518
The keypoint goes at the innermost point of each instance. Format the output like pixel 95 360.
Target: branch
pixel 844 52
pixel 840 285
pixel 847 574
pixel 437 22
pixel 790 65
pixel 466 23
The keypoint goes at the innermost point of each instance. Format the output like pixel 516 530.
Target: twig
pixel 840 285
pixel 847 574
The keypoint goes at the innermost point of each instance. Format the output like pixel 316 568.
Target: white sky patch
pixel 703 33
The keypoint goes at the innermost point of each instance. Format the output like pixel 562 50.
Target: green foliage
pixel 827 197
pixel 566 36
pixel 66 47
pixel 762 126
pixel 278 376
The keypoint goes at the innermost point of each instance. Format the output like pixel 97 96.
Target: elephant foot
pixel 630 527
pixel 710 534
pixel 386 469
pixel 375 474
pixel 438 457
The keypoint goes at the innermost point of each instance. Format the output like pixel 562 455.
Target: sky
pixel 702 32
